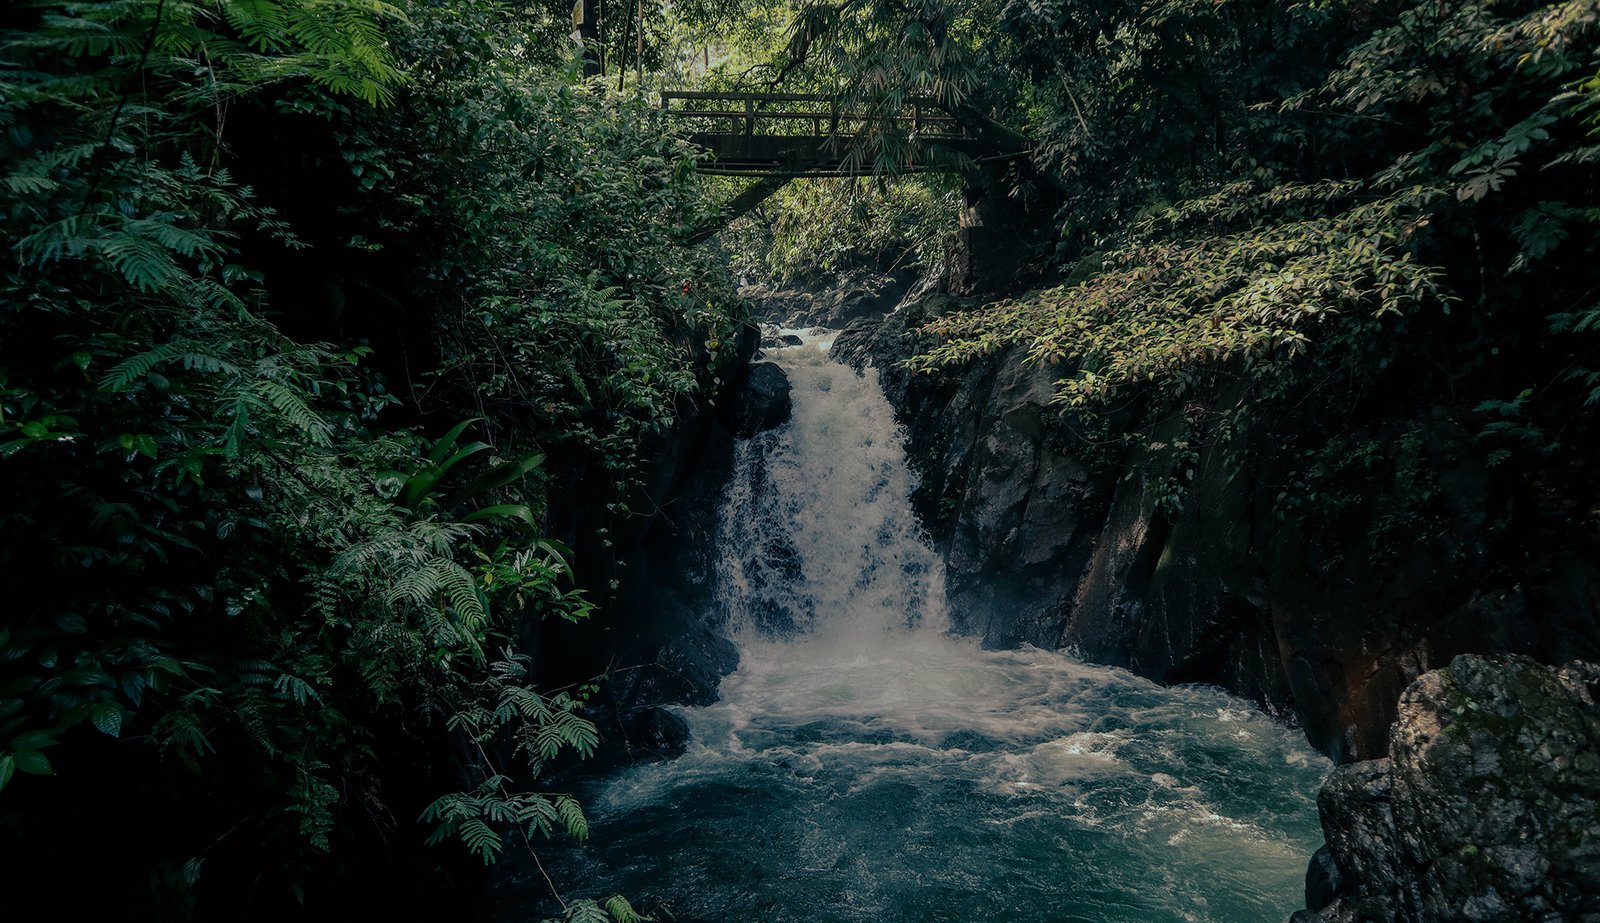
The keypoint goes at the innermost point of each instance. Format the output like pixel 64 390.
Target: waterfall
pixel 864 765
pixel 817 537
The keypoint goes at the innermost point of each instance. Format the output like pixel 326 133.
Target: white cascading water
pixel 817 537
pixel 863 765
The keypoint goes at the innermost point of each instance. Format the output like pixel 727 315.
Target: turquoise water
pixel 863 765
pixel 944 782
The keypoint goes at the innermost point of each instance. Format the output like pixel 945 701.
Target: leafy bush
pixel 1415 213
pixel 244 559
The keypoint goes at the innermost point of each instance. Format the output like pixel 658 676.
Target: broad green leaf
pixel 107 718
pixel 32 762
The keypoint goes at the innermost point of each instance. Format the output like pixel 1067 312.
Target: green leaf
pixel 33 740
pixel 447 442
pixel 621 911
pixel 572 817
pixel 421 484
pixel 32 762
pixel 72 623
pixel 516 511
pixel 500 476
pixel 107 718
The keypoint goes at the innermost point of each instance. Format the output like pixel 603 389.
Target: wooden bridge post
pixel 988 248
pixel 749 126
pixel 586 29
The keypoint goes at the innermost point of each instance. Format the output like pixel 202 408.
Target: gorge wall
pixel 1054 541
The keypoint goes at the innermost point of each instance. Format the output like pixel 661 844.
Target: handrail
pixel 802 114
pixel 915 113
pixel 852 116
pixel 775 97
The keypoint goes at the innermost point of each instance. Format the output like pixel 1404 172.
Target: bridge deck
pixel 801 134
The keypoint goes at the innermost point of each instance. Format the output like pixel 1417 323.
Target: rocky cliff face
pixel 1053 540
pixel 1486 808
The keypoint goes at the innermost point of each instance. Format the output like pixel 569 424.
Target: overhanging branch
pixel 740 205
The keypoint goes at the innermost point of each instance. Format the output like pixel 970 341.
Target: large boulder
pixel 858 295
pixel 761 403
pixel 657 733
pixel 1014 514
pixel 1487 808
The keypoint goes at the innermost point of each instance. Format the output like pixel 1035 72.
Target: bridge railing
pixel 809 115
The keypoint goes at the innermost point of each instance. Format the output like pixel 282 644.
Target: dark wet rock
pixel 884 343
pixel 777 306
pixel 1488 807
pixel 1323 879
pixel 761 403
pixel 658 734
pixel 1011 509
pixel 1359 842
pixel 648 566
pixel 861 295
pixel 684 667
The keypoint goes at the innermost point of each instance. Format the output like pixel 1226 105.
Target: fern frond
pixel 586 911
pixel 572 817
pixel 294 411
pixel 461 592
pixel 622 912
pixel 143 263
pixel 481 839
pixel 126 372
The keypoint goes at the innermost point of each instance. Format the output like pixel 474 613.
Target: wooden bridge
pixel 793 135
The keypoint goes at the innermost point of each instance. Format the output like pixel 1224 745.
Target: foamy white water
pixel 864 765
pixel 818 539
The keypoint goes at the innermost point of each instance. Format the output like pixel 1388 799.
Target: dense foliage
pixel 1442 159
pixel 243 578
pixel 1324 211
pixel 817 228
